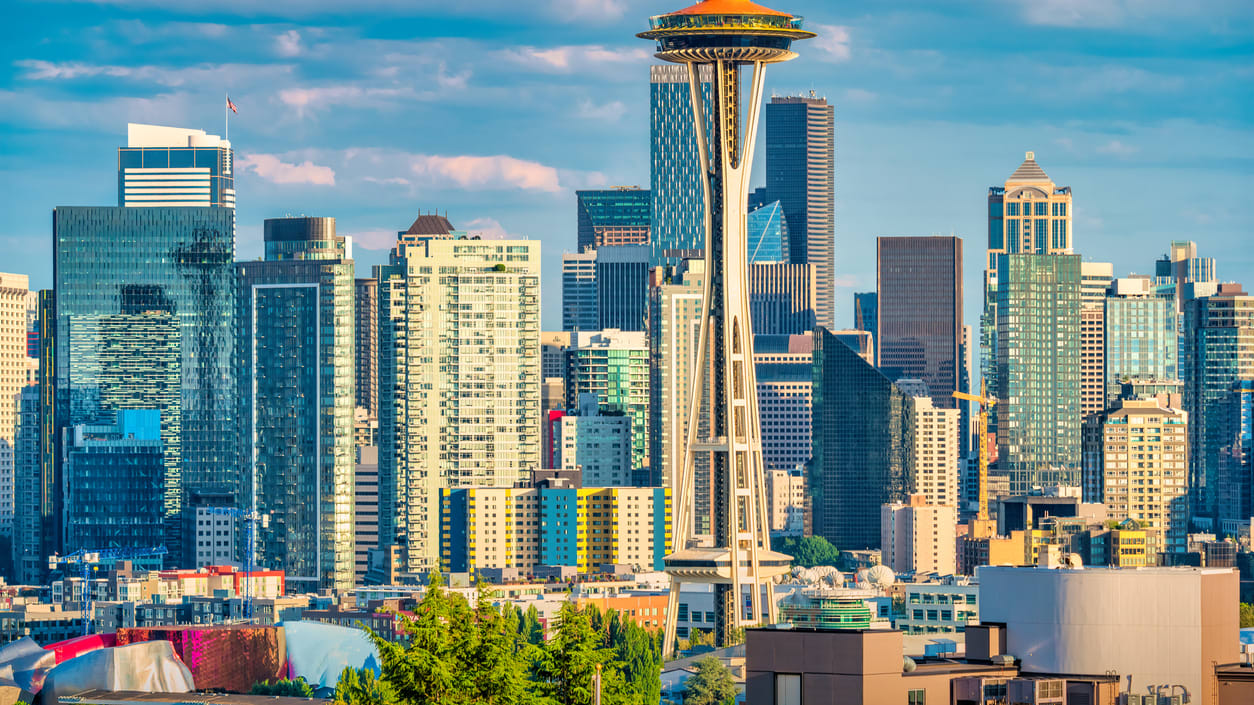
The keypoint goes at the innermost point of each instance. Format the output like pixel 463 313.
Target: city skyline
pixel 303 115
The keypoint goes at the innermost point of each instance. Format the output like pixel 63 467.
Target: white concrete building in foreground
pixel 1155 626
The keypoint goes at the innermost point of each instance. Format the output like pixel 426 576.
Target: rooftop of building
pixel 1029 170
pixel 728 7
pixel 140 135
pixel 430 224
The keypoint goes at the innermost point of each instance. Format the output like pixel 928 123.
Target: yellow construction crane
pixel 986 404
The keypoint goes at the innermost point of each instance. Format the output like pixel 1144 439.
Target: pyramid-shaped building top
pixel 1029 170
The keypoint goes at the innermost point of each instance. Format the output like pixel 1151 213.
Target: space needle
pixel 727 36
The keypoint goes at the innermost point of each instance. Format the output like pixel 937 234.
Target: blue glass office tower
pixel 801 174
pixel 296 373
pixel 160 280
pixel 678 230
pixel 1235 503
pixel 768 234
pixel 1218 335
pixel 115 481
pixel 622 287
pixel 1038 370
pixel 861 441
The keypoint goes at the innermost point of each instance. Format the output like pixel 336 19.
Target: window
pixel 787 689
pixel 916 697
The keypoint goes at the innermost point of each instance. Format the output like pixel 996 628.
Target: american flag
pixel 231 105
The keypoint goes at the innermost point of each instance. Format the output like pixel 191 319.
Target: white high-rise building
pixel 175 166
pixel 459 377
pixel 918 537
pixel 596 443
pixel 936 453
pixel 14 291
pixel 787 499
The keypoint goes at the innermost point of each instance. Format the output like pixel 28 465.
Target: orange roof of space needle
pixel 728 7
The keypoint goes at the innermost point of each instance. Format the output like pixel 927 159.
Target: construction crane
pixel 86 558
pixel 986 404
pixel 251 519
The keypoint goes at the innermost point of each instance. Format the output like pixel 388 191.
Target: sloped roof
pixel 728 7
pixel 430 225
pixel 1029 170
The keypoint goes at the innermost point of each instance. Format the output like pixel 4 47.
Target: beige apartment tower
pixel 459 376
pixel 1145 460
pixel 935 452
pixel 14 292
pixel 919 538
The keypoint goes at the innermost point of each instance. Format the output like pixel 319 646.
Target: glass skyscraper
pixel 1218 338
pixel 801 174
pixel 115 480
pixel 1141 335
pixel 768 234
pixel 296 378
pixel 579 291
pixel 144 295
pixel 622 286
pixel 861 437
pixel 615 216
pixel 919 312
pixel 1038 371
pixel 678 217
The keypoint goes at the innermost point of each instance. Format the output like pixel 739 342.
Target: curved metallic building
pixel 726 35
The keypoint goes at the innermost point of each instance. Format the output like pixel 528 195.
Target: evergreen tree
pixel 531 628
pixel 565 667
pixel 362 688
pixel 808 551
pixel 712 684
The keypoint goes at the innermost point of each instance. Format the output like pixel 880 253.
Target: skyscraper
pixel 366 349
pixel 459 365
pixel 614 366
pixel 115 477
pixel 615 216
pixel 1141 335
pixel 801 174
pixel 785 366
pixel 174 166
pixel 1218 335
pixel 1030 214
pixel 861 445
pixel 919 317
pixel 622 286
pixel 782 298
pixel 296 392
pixel 677 230
pixel 1145 469
pixel 29 559
pixel 131 284
pixel 579 291
pixel 14 292
pixel 1180 267
pixel 1235 473
pixel 1038 370
pixel 1095 281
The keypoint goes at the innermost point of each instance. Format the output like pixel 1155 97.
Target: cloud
pixel 859 95
pixel 202 74
pixel 610 112
pixel 490 229
pixel 499 171
pixel 568 59
pixel 832 42
pixel 288 44
pixel 597 10
pixel 271 168
pixel 1124 14
pixel 1115 148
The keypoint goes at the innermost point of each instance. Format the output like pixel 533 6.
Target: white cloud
pixel 203 74
pixel 832 42
pixel 859 95
pixel 271 168
pixel 597 10
pixel 610 112
pixel 493 172
pixel 1115 148
pixel 567 59
pixel 373 239
pixel 288 44
pixel 490 229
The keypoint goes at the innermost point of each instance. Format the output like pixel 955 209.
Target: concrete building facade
pixel 917 537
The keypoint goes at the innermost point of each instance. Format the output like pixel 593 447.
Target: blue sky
pixel 496 110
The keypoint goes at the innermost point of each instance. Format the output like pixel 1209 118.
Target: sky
pixel 495 111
